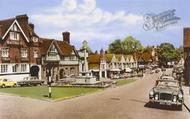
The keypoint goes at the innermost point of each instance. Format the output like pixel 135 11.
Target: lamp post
pixel 48 75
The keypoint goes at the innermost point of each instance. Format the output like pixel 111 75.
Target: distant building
pixel 186 46
pixel 19 49
pixel 105 65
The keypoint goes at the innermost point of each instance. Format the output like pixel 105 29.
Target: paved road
pixel 125 102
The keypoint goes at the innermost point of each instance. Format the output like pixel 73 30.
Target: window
pixel 14 36
pixel 15 68
pixel 35 39
pixel 23 67
pixel 73 58
pixel 14 27
pixel 5 52
pixel 53 49
pixel 4 68
pixel 35 54
pixel 24 53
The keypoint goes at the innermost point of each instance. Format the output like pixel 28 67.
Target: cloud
pixel 85 20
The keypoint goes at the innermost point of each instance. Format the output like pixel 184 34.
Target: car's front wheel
pixel 14 85
pixel 3 86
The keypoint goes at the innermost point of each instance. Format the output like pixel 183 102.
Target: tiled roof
pixel 118 57
pixel 28 31
pixel 45 45
pixel 4 25
pixel 94 66
pixel 109 57
pixel 64 48
pixel 145 56
pixel 94 58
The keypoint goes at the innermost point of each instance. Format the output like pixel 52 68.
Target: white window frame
pixel 24 53
pixel 14 28
pixel 5 52
pixel 4 68
pixel 14 35
pixel 23 67
pixel 35 54
pixel 15 68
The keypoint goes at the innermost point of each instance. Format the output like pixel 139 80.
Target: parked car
pixel 30 81
pixel 7 83
pixel 167 92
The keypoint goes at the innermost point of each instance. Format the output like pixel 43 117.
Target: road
pixel 125 102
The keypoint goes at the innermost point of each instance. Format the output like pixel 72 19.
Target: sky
pixel 100 22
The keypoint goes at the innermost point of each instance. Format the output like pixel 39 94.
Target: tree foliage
pixel 126 46
pixel 167 53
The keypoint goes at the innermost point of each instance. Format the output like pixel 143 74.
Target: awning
pixel 115 70
pixel 128 70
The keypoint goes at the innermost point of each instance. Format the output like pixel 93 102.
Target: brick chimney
pixel 23 20
pixel 66 37
pixel 186 37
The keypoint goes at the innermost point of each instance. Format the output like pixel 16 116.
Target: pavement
pixel 186 90
pixel 125 102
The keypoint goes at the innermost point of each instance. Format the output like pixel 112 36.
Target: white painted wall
pixel 15 77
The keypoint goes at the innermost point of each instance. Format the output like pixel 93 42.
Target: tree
pixel 179 52
pixel 131 45
pixel 116 47
pixel 166 53
pixel 128 46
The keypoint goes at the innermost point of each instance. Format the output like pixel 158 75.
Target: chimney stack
pixel 22 18
pixel 66 37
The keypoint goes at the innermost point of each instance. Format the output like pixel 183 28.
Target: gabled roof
pixel 63 48
pixel 109 57
pixel 5 26
pixel 145 56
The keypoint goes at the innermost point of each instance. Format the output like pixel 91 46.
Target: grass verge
pixel 58 93
pixel 123 82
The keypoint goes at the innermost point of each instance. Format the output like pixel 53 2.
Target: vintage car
pixel 30 81
pixel 7 83
pixel 167 92
pixel 167 78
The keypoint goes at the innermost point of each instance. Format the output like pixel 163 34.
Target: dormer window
pixel 14 36
pixel 35 39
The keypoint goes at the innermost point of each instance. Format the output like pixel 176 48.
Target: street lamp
pixel 48 75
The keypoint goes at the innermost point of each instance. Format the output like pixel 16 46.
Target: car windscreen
pixel 167 84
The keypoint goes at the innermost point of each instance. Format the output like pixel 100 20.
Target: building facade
pixel 105 65
pixel 19 49
pixel 186 46
pixel 60 56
